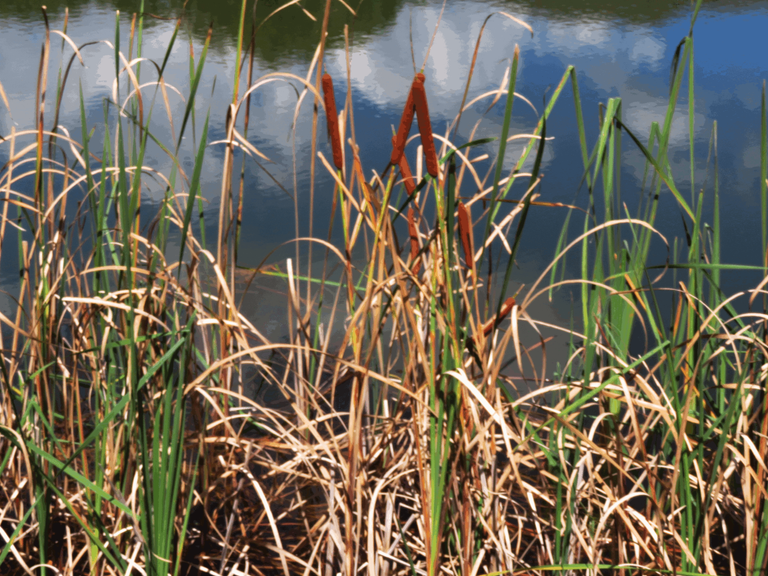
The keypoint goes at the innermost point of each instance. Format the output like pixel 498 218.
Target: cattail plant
pixel 425 126
pixel 406 119
pixel 333 121
pixel 413 233
pixel 416 103
pixel 465 234
pixel 405 170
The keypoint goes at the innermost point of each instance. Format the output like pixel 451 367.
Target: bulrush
pixel 333 121
pixel 414 234
pixel 425 126
pixel 405 123
pixel 405 171
pixel 486 328
pixel 465 233
pixel 506 308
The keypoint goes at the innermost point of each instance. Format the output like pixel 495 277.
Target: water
pixel 617 49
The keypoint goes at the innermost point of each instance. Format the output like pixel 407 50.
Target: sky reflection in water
pixel 612 57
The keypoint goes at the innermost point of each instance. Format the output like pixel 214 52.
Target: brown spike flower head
pixel 405 171
pixel 506 308
pixel 405 123
pixel 425 126
pixel 333 121
pixel 465 234
pixel 413 232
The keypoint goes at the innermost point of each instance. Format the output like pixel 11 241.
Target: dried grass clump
pixel 405 446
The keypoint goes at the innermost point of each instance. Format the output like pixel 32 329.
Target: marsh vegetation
pixel 410 423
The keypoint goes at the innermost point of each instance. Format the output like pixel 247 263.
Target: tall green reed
pixel 130 342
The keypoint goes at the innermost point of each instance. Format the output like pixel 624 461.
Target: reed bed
pixel 407 446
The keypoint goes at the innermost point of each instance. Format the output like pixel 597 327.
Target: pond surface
pixel 618 49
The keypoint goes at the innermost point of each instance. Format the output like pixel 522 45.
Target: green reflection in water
pixel 291 34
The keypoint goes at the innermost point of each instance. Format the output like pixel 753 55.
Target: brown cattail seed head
pixel 425 127
pixel 333 121
pixel 413 232
pixel 405 123
pixel 506 308
pixel 405 171
pixel 402 132
pixel 465 234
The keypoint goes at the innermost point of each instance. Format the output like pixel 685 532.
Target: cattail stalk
pixel 465 234
pixel 486 328
pixel 333 121
pixel 414 234
pixel 425 127
pixel 405 171
pixel 506 308
pixel 405 123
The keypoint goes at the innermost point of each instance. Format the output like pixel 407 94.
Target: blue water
pixel 614 57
